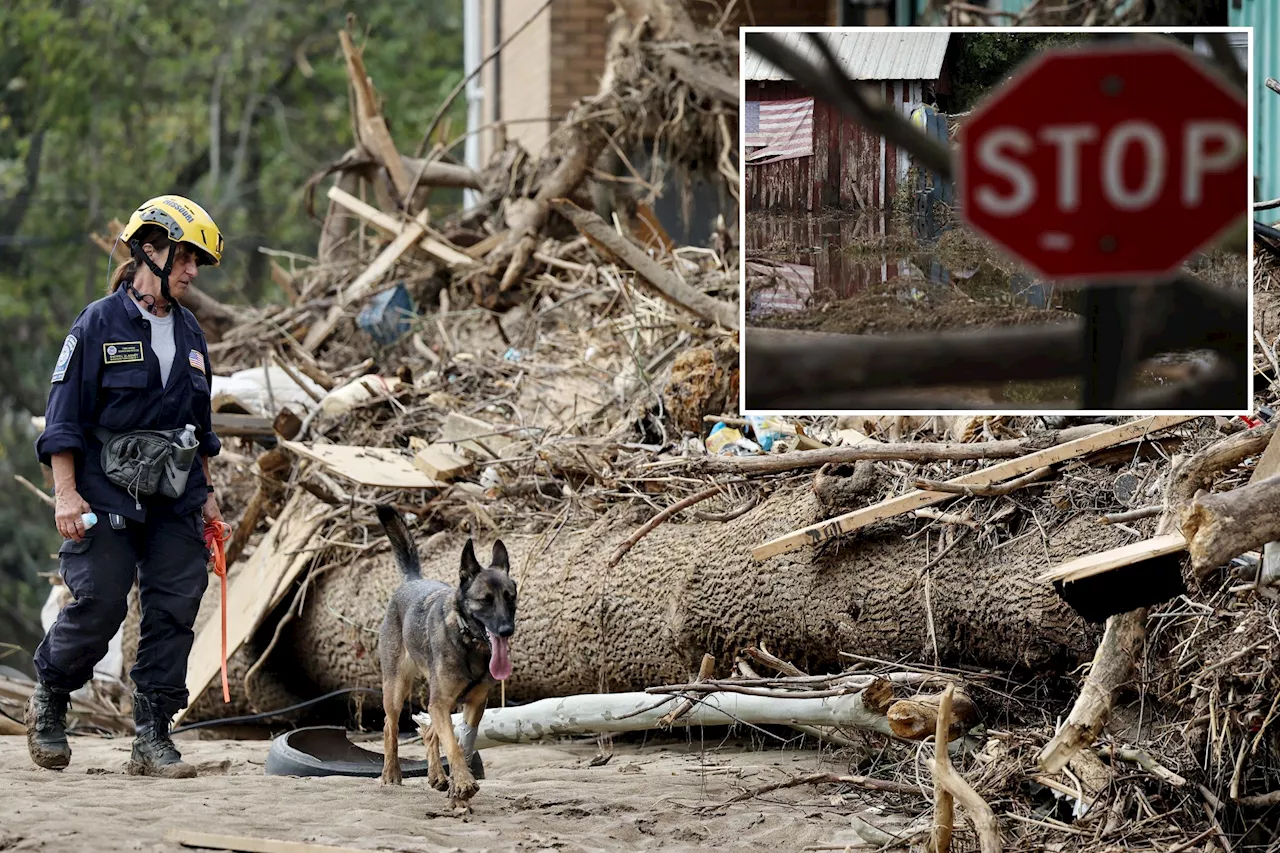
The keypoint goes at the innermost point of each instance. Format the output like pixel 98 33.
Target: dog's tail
pixel 401 542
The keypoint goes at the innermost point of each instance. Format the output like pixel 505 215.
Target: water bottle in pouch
pixel 178 466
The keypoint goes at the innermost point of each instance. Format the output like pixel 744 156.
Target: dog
pixel 459 638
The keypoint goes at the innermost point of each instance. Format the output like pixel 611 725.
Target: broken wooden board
pixel 853 437
pixel 386 467
pixel 441 463
pixel 258 585
pixel 208 841
pixel 371 126
pixel 890 507
pixel 389 224
pixel 1114 558
pixel 474 435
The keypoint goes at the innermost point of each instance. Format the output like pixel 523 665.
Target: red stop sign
pixel 1106 163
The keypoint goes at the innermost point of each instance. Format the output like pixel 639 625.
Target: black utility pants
pixel 168 555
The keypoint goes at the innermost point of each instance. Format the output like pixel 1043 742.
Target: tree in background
pixel 233 103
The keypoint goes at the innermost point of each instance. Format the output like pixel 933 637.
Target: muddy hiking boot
pixel 46 719
pixel 153 751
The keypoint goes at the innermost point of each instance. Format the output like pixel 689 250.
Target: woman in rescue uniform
pixel 134 360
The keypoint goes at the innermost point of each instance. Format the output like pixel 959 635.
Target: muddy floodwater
pixel 870 275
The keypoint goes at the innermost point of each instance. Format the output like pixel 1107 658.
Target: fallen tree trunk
pixel 636 712
pixel 689 589
pixel 1219 527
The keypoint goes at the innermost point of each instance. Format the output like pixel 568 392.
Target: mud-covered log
pixel 691 588
pixel 1219 527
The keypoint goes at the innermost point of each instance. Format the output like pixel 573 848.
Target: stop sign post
pixel 1106 164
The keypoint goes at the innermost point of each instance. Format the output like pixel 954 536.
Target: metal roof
pixel 904 54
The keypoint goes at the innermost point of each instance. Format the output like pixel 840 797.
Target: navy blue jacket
pixel 107 375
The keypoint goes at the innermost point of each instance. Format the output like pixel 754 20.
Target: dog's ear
pixel 500 559
pixel 470 568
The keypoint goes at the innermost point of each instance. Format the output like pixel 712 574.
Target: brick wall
pixel 578 39
pixel 559 58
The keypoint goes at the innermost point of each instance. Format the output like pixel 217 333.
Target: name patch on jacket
pixel 121 352
pixel 64 359
pixel 196 360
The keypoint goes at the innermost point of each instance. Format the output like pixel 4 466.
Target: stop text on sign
pixel 1208 148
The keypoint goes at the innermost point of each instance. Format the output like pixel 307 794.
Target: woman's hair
pixel 159 240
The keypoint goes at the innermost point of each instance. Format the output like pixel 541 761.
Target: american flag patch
pixel 196 360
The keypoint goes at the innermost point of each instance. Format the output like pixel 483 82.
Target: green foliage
pixel 981 61
pixel 234 103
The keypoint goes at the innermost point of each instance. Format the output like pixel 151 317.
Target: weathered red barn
pixel 804 155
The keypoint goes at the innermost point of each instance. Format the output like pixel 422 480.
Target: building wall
pixel 559 58
pixel 1264 17
pixel 852 168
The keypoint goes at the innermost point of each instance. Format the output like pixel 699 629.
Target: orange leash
pixel 215 533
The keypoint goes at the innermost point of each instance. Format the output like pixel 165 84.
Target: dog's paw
pixel 392 778
pixel 463 789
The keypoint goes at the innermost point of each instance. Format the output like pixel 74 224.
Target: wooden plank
pixel 439 462
pixel 209 841
pixel 404 241
pixel 1114 558
pixel 228 424
pixel 389 224
pixel 253 589
pixel 369 466
pixel 841 524
pixel 474 435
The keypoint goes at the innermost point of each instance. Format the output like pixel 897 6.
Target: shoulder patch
pixel 64 359
pixel 196 360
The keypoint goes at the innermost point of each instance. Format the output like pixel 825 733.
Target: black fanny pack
pixel 147 462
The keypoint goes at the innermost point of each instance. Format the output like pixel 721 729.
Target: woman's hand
pixel 68 506
pixel 211 511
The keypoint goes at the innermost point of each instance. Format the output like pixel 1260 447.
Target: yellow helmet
pixel 184 220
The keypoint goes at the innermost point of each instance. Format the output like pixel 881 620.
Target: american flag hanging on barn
pixel 784 129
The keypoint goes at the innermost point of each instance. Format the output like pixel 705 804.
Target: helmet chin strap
pixel 161 272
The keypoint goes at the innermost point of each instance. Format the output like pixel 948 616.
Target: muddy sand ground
pixel 535 798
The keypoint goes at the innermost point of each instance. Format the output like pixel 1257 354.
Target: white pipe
pixel 472 47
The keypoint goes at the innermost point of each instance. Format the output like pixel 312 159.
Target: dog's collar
pixel 465 620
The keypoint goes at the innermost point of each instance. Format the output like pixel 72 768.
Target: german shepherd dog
pixel 458 638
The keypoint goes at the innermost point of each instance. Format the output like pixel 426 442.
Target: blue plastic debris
pixel 388 316
pixel 512 354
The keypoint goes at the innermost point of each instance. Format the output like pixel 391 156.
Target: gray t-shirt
pixel 162 341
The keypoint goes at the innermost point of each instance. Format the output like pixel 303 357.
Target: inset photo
pixel 996 219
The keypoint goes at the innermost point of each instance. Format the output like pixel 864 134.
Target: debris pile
pixel 535 374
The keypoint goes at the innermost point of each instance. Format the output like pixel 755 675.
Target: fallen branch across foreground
pixel 662 281
pixel 1122 640
pixel 784 368
pixel 633 712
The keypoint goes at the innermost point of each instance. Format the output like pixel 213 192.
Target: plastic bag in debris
pixel 724 441
pixel 768 429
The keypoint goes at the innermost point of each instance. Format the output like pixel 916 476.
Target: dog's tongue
pixel 499 656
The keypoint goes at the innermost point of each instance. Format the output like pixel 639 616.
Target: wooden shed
pixel 803 155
